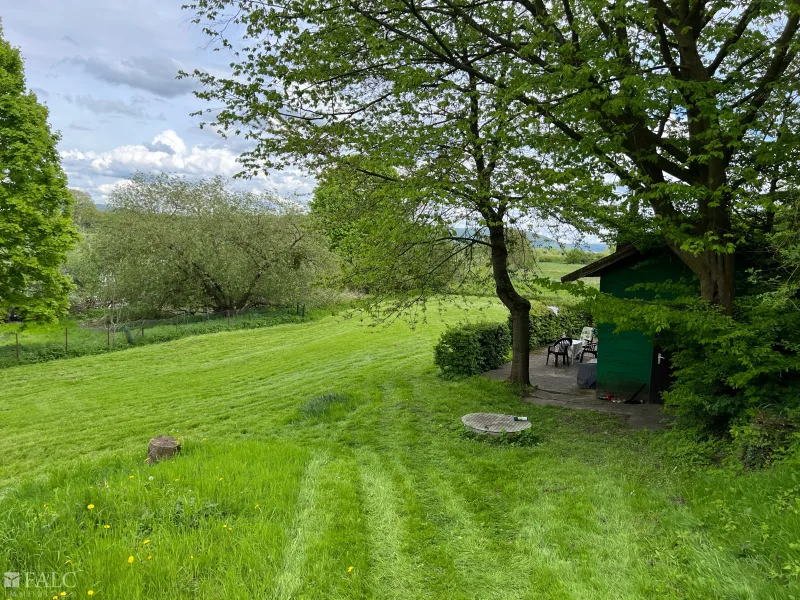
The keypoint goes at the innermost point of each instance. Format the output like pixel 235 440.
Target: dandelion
pixel 106 526
pixel 350 569
pixel 90 506
pixel 130 560
pixel 146 542
pixel 90 593
pixel 258 506
pixel 204 439
pixel 220 478
pixel 150 557
pixel 132 476
pixel 63 594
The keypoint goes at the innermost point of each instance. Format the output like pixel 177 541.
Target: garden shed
pixel 630 366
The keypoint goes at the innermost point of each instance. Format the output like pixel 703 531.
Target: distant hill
pixel 101 206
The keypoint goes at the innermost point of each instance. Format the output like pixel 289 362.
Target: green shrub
pixel 766 438
pixel 546 327
pixel 472 349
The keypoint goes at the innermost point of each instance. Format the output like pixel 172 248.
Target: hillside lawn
pixel 371 492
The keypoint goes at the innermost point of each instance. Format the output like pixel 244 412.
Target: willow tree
pixel 689 105
pixel 35 206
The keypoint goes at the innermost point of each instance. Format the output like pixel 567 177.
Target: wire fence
pixel 31 344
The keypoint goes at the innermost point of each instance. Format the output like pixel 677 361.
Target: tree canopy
pixel 36 227
pixel 170 244
pixel 688 107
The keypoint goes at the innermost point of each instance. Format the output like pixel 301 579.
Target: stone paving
pixel 558 386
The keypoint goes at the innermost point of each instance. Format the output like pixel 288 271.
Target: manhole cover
pixel 493 423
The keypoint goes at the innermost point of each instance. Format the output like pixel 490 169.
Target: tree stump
pixel 163 446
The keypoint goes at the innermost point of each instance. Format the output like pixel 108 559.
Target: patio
pixel 558 386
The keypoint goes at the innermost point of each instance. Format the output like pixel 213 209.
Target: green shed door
pixel 624 361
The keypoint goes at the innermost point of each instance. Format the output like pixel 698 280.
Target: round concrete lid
pixel 493 423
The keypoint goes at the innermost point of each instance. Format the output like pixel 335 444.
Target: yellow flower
pixel 131 477
pixel 90 593
pixel 220 478
pixel 106 526
pixel 204 439
pixel 63 594
pixel 150 557
pixel 130 559
pixel 146 542
pixel 90 506
pixel 350 569
pixel 258 506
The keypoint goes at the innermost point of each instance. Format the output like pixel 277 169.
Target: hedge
pixel 547 327
pixel 472 349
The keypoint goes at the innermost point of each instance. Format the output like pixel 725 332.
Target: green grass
pixel 313 448
pixel 556 271
pixel 34 343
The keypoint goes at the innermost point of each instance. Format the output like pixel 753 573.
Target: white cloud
pixel 169 153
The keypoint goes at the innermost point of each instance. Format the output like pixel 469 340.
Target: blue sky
pixel 106 70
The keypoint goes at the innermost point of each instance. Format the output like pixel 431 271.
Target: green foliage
pixel 389 249
pixel 578 256
pixel 36 227
pixel 765 438
pixel 45 342
pixel 546 327
pixel 170 244
pixel 472 349
pixel 726 370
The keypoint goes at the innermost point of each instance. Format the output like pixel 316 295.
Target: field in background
pixel 33 343
pixel 327 460
pixel 556 271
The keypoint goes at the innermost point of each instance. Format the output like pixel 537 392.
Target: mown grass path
pixel 378 496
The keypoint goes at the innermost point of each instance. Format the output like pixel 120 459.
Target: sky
pixel 106 71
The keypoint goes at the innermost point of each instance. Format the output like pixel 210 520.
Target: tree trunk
pixel 715 273
pixel 518 305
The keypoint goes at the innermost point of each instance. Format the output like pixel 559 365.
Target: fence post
pixel 66 339
pixel 142 331
pixel 303 318
pixel 16 335
pixel 229 318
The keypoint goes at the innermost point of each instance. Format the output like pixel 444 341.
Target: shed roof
pixel 597 267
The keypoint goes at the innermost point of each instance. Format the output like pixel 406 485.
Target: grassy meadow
pixel 326 460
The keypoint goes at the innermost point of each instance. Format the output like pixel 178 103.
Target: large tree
pixel 36 228
pixel 171 244
pixel 690 105
pixel 444 147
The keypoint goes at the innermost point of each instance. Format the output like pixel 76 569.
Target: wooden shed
pixel 629 364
